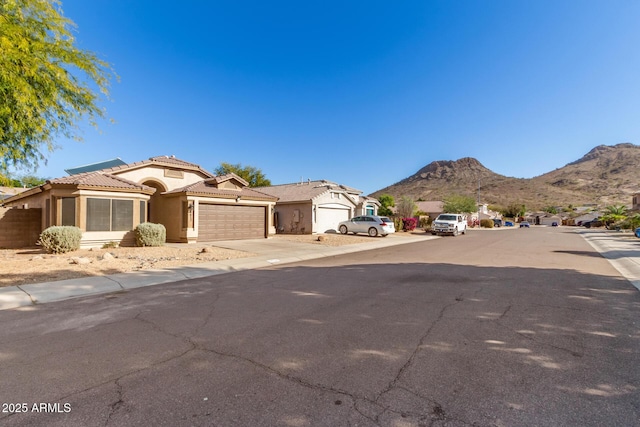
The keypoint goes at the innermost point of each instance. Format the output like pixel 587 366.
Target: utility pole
pixel 478 201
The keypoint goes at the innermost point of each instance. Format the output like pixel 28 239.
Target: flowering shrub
pixel 409 224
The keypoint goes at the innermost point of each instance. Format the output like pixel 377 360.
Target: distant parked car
pixel 370 224
pixel 497 222
pixel 554 224
pixel 524 224
pixel 508 224
pixel 593 223
pixel 637 232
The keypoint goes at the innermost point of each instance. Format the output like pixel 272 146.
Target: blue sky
pixel 363 93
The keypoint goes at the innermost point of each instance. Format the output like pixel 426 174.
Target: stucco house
pixel 6 192
pixel 431 208
pixel 193 204
pixel 317 206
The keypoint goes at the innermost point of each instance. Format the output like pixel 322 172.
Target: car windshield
pixel 385 219
pixel 447 217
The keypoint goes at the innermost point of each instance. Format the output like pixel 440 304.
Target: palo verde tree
pixel 47 84
pixel 252 175
pixel 406 207
pixel 457 203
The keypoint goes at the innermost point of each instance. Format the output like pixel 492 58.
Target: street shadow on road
pixel 392 343
pixel 603 254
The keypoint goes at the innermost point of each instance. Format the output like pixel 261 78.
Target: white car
pixel 370 224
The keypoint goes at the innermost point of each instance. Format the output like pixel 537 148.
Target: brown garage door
pixel 227 222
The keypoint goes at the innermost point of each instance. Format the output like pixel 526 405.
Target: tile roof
pixel 222 178
pixel 208 188
pixel 12 190
pixel 101 180
pixel 431 206
pixel 160 160
pixel 304 191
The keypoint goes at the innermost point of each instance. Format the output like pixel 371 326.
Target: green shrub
pixel 486 223
pixel 110 245
pixel 60 239
pixel 150 234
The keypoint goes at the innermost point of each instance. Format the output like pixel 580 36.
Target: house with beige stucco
pixel 193 204
pixel 317 206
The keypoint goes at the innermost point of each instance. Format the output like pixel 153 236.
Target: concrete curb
pixel 623 255
pixel 39 293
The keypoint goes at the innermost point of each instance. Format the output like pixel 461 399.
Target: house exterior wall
pixel 548 220
pixel 302 217
pixel 171 178
pixel 19 228
pixel 294 218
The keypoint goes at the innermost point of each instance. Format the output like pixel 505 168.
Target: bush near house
pixel 60 239
pixel 486 223
pixel 150 234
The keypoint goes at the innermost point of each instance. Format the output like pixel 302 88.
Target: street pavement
pixel 621 249
pixel 520 327
pixel 269 252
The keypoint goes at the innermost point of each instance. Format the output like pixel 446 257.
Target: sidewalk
pixel 269 252
pixel 622 250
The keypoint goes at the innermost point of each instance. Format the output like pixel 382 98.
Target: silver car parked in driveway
pixel 370 224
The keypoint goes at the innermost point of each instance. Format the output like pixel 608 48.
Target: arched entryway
pixel 155 202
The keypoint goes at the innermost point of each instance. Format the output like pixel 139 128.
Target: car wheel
pixel 373 232
pixel 343 229
pixel 464 231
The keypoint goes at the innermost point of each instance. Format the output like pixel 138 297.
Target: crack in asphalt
pixel 436 412
pixel 394 383
pixel 113 408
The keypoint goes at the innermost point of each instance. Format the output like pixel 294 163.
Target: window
pixel 68 205
pixel 143 214
pixel 121 215
pixel 109 215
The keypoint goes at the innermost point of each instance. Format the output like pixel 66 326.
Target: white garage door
pixel 327 219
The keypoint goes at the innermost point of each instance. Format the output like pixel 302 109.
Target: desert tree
pixel 254 176
pixel 386 203
pixel 47 84
pixel 457 203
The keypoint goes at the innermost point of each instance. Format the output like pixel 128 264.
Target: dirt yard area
pixel 34 265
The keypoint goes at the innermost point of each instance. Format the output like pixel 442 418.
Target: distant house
pixel 590 216
pixel 635 202
pixel 193 204
pixel 431 208
pixel 317 206
pixel 6 192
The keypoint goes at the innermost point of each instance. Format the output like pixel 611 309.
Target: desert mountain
pixel 605 175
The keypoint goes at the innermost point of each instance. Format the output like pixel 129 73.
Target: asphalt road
pixel 496 328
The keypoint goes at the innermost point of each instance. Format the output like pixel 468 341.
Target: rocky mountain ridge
pixel 605 175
